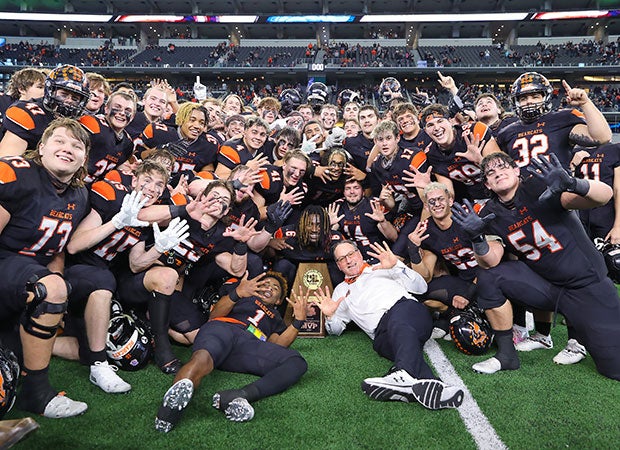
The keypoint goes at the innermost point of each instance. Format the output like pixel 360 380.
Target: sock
pixel 506 352
pixel 99 356
pixel 543 327
pixel 36 390
pixel 159 316
pixel 249 392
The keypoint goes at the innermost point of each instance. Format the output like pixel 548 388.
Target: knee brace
pixel 39 306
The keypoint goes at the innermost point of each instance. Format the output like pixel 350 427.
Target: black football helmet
pixel 290 99
pixel 388 87
pixel 317 96
pixel 9 374
pixel 471 332
pixel 346 96
pixel 71 79
pixel 530 83
pixel 129 344
pixel 611 253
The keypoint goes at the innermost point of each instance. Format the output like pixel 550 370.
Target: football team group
pixel 127 224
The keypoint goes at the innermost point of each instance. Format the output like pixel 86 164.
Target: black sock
pixel 36 390
pixel 543 327
pixel 249 392
pixel 99 356
pixel 506 352
pixel 159 316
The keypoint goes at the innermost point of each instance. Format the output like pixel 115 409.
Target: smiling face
pixel 62 154
pixel 155 103
pixel 438 203
pixel 408 124
pixel 293 171
pixel 232 105
pixel 150 184
pixel 254 137
pixel 195 125
pixel 501 178
pixel 329 116
pixel 314 129
pixel 440 130
pixel 353 192
pixel 119 112
pixel 368 121
pixel 235 128
pixel 97 97
pixel 348 259
pixel 351 128
pixel 218 202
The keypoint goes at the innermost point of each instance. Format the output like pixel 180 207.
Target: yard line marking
pixel 474 419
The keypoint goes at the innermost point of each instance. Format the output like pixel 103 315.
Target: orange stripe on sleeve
pixel 578 113
pixel 230 153
pixel 479 129
pixel 7 174
pixel 91 124
pixel 20 117
pixel 417 160
pixel 104 189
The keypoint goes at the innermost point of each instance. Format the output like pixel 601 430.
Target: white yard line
pixel 474 419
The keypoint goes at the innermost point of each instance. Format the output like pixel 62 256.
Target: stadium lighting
pixel 570 15
pixel 489 17
pixel 326 18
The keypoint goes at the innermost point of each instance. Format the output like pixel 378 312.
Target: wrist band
pixel 178 211
pixel 580 187
pixel 240 248
pixel 234 297
pixel 414 253
pixel 481 247
pixel 297 324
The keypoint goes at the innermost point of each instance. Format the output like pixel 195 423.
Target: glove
pixel 556 178
pixel 176 232
pixel 309 146
pixel 128 215
pixel 277 213
pixel 468 220
pixel 200 90
pixel 420 100
pixel 335 138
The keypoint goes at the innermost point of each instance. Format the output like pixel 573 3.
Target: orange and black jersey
pixel 304 254
pixel 42 219
pixel 272 185
pixel 118 176
pixel 5 102
pixel 189 155
pixel 137 125
pixel 501 123
pixel 235 152
pixel 599 166
pixel 247 208
pixel 356 226
pixel 382 173
pixel 359 148
pixel 217 135
pixel 107 150
pixel 107 198
pixel 454 247
pixel 27 120
pixel 323 193
pixel 465 175
pixel 546 237
pixel 251 310
pixel 550 133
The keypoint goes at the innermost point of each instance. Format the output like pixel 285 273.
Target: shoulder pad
pixel 104 189
pixel 91 124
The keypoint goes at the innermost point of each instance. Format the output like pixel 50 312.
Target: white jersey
pixel 372 294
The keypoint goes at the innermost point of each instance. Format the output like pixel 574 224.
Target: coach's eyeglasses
pixel 347 256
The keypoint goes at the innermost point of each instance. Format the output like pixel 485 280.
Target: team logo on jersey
pixel 313 279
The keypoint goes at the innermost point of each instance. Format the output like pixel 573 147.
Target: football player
pixel 359 147
pixel 65 95
pixel 154 101
pixel 25 84
pixel 246 334
pixel 42 200
pixel 558 267
pixel 99 92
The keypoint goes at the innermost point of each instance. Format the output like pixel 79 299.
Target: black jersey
pixel 359 148
pixel 5 102
pixel 419 142
pixel 300 253
pixel 465 175
pixel 189 155
pixel 550 133
pixel 107 198
pixel 358 227
pixel 107 148
pixel 546 237
pixel 496 126
pixel 27 120
pixel 252 311
pixel 247 208
pixel 217 135
pixel 454 247
pixel 137 125
pixel 42 219
pixel 600 166
pixel 382 173
pixel 322 194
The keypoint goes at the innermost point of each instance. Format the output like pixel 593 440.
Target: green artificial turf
pixel 542 405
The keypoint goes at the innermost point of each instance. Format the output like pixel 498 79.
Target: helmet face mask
pixel 290 99
pixel 66 92
pixel 317 95
pixel 388 87
pixel 346 96
pixel 9 374
pixel 531 83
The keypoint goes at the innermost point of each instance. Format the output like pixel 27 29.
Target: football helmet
pixel 471 332
pixel 611 253
pixel 317 95
pixel 346 96
pixel 72 80
pixel 9 373
pixel 129 343
pixel 530 83
pixel 388 87
pixel 289 99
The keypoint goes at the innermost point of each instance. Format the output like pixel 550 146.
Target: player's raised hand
pixel 332 213
pixel 551 172
pixel 465 217
pixel 176 231
pixel 575 96
pixel 128 214
pixel 300 302
pixel 249 287
pixel 474 148
pixel 416 178
pixel 418 234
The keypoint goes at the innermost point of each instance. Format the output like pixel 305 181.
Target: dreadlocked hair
pixel 304 223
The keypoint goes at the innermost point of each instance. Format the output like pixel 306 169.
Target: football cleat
pixel 175 401
pixel 571 354
pixel 493 365
pixel 519 334
pixel 104 376
pixel 61 407
pixel 435 394
pixel 395 386
pixel 236 410
pixel 535 342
